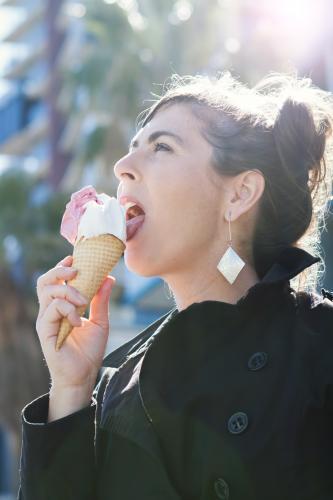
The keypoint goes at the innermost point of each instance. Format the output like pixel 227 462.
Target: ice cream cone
pixel 94 258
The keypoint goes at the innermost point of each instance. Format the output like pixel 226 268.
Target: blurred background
pixel 73 77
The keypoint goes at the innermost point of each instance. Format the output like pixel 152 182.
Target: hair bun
pixel 299 144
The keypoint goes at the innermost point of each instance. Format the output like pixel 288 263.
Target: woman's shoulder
pixel 315 314
pixel 316 308
pixel 317 326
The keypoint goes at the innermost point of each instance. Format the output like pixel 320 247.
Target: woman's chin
pixel 142 255
pixel 139 262
pixel 138 270
pixel 135 262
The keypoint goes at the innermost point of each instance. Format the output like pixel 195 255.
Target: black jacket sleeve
pixel 57 458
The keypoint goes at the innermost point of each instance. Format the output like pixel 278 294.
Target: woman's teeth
pixel 128 205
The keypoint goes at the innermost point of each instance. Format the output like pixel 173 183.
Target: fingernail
pixel 111 285
pixel 71 270
pixel 108 284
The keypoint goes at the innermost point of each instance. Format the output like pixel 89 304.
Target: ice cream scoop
pixel 96 225
pixel 90 214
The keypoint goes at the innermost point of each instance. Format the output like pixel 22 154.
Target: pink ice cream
pixel 75 208
pixel 90 214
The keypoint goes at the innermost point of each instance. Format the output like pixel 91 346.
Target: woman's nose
pixel 124 167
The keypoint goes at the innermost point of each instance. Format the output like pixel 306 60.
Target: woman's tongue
pixel 133 225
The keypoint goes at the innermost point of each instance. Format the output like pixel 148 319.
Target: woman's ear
pixel 247 190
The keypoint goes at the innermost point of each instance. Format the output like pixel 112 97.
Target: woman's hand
pixel 74 368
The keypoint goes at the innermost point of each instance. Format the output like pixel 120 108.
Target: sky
pixel 9 16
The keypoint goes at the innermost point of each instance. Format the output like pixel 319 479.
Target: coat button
pixel 257 360
pixel 221 489
pixel 238 422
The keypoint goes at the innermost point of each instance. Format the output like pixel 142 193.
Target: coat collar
pixel 291 261
pixel 267 292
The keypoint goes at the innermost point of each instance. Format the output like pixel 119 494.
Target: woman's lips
pixel 133 225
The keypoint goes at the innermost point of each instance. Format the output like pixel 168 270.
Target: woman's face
pixel 171 176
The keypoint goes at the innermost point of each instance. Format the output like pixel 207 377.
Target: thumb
pixel 99 306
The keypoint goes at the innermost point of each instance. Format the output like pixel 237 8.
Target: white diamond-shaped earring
pixel 230 264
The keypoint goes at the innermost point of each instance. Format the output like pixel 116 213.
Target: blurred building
pixel 30 81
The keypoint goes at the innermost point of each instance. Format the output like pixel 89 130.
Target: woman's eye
pixel 160 146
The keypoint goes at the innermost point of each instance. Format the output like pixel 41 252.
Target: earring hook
pixel 229 241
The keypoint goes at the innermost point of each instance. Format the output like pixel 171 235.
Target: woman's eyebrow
pixel 155 135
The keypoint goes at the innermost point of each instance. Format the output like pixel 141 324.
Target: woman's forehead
pixel 176 119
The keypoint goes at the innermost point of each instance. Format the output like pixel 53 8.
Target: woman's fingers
pixel 58 299
pixel 66 261
pixel 54 276
pixel 58 309
pixel 67 292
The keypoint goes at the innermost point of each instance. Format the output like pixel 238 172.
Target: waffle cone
pixel 94 258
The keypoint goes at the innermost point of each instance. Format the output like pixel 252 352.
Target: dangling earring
pixel 230 264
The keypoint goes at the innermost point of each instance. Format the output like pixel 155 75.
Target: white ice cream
pixel 109 218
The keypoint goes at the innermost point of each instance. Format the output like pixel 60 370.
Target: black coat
pixel 218 401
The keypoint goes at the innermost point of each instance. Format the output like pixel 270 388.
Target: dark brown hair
pixel 282 127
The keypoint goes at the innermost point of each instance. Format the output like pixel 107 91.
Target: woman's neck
pixel 198 287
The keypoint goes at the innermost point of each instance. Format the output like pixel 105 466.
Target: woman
pixel 230 394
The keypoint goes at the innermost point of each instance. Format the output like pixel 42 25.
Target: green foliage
pixel 35 227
